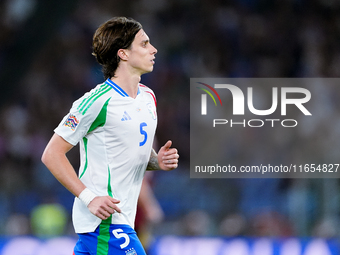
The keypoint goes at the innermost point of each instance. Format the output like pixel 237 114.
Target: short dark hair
pixel 116 33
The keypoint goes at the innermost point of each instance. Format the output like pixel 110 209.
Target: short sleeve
pixel 75 125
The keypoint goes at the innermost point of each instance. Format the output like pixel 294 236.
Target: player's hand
pixel 168 157
pixel 104 206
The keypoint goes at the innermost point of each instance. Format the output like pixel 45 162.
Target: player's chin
pixel 148 70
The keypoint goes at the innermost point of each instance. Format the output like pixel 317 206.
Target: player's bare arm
pixel 55 159
pixel 153 161
pixel 166 159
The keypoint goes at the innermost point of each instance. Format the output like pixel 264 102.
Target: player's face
pixel 142 53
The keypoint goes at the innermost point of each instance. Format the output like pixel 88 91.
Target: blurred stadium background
pixel 46 63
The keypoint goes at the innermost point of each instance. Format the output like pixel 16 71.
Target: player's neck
pixel 129 83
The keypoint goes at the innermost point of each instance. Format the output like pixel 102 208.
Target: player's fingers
pixel 172 166
pixel 103 214
pixel 112 205
pixel 172 151
pixel 171 156
pixel 114 200
pixel 116 208
pixel 170 161
pixel 167 145
pixel 110 210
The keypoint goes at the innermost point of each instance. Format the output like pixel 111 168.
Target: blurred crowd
pixel 194 38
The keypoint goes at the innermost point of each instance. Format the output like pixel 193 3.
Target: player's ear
pixel 122 54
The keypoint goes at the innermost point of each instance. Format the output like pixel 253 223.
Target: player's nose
pixel 153 50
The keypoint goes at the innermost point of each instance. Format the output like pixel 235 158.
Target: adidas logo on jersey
pixel 126 116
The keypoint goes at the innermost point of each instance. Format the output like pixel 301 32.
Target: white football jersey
pixel 116 134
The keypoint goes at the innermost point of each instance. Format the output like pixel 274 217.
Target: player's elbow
pixel 55 150
pixel 46 156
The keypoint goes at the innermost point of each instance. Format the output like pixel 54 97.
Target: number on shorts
pixel 118 235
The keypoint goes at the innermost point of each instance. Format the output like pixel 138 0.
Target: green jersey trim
pixel 109 189
pixel 98 122
pixel 101 118
pixel 88 101
pixel 85 147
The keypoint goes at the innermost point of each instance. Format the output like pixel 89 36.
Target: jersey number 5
pixel 143 132
pixel 118 235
